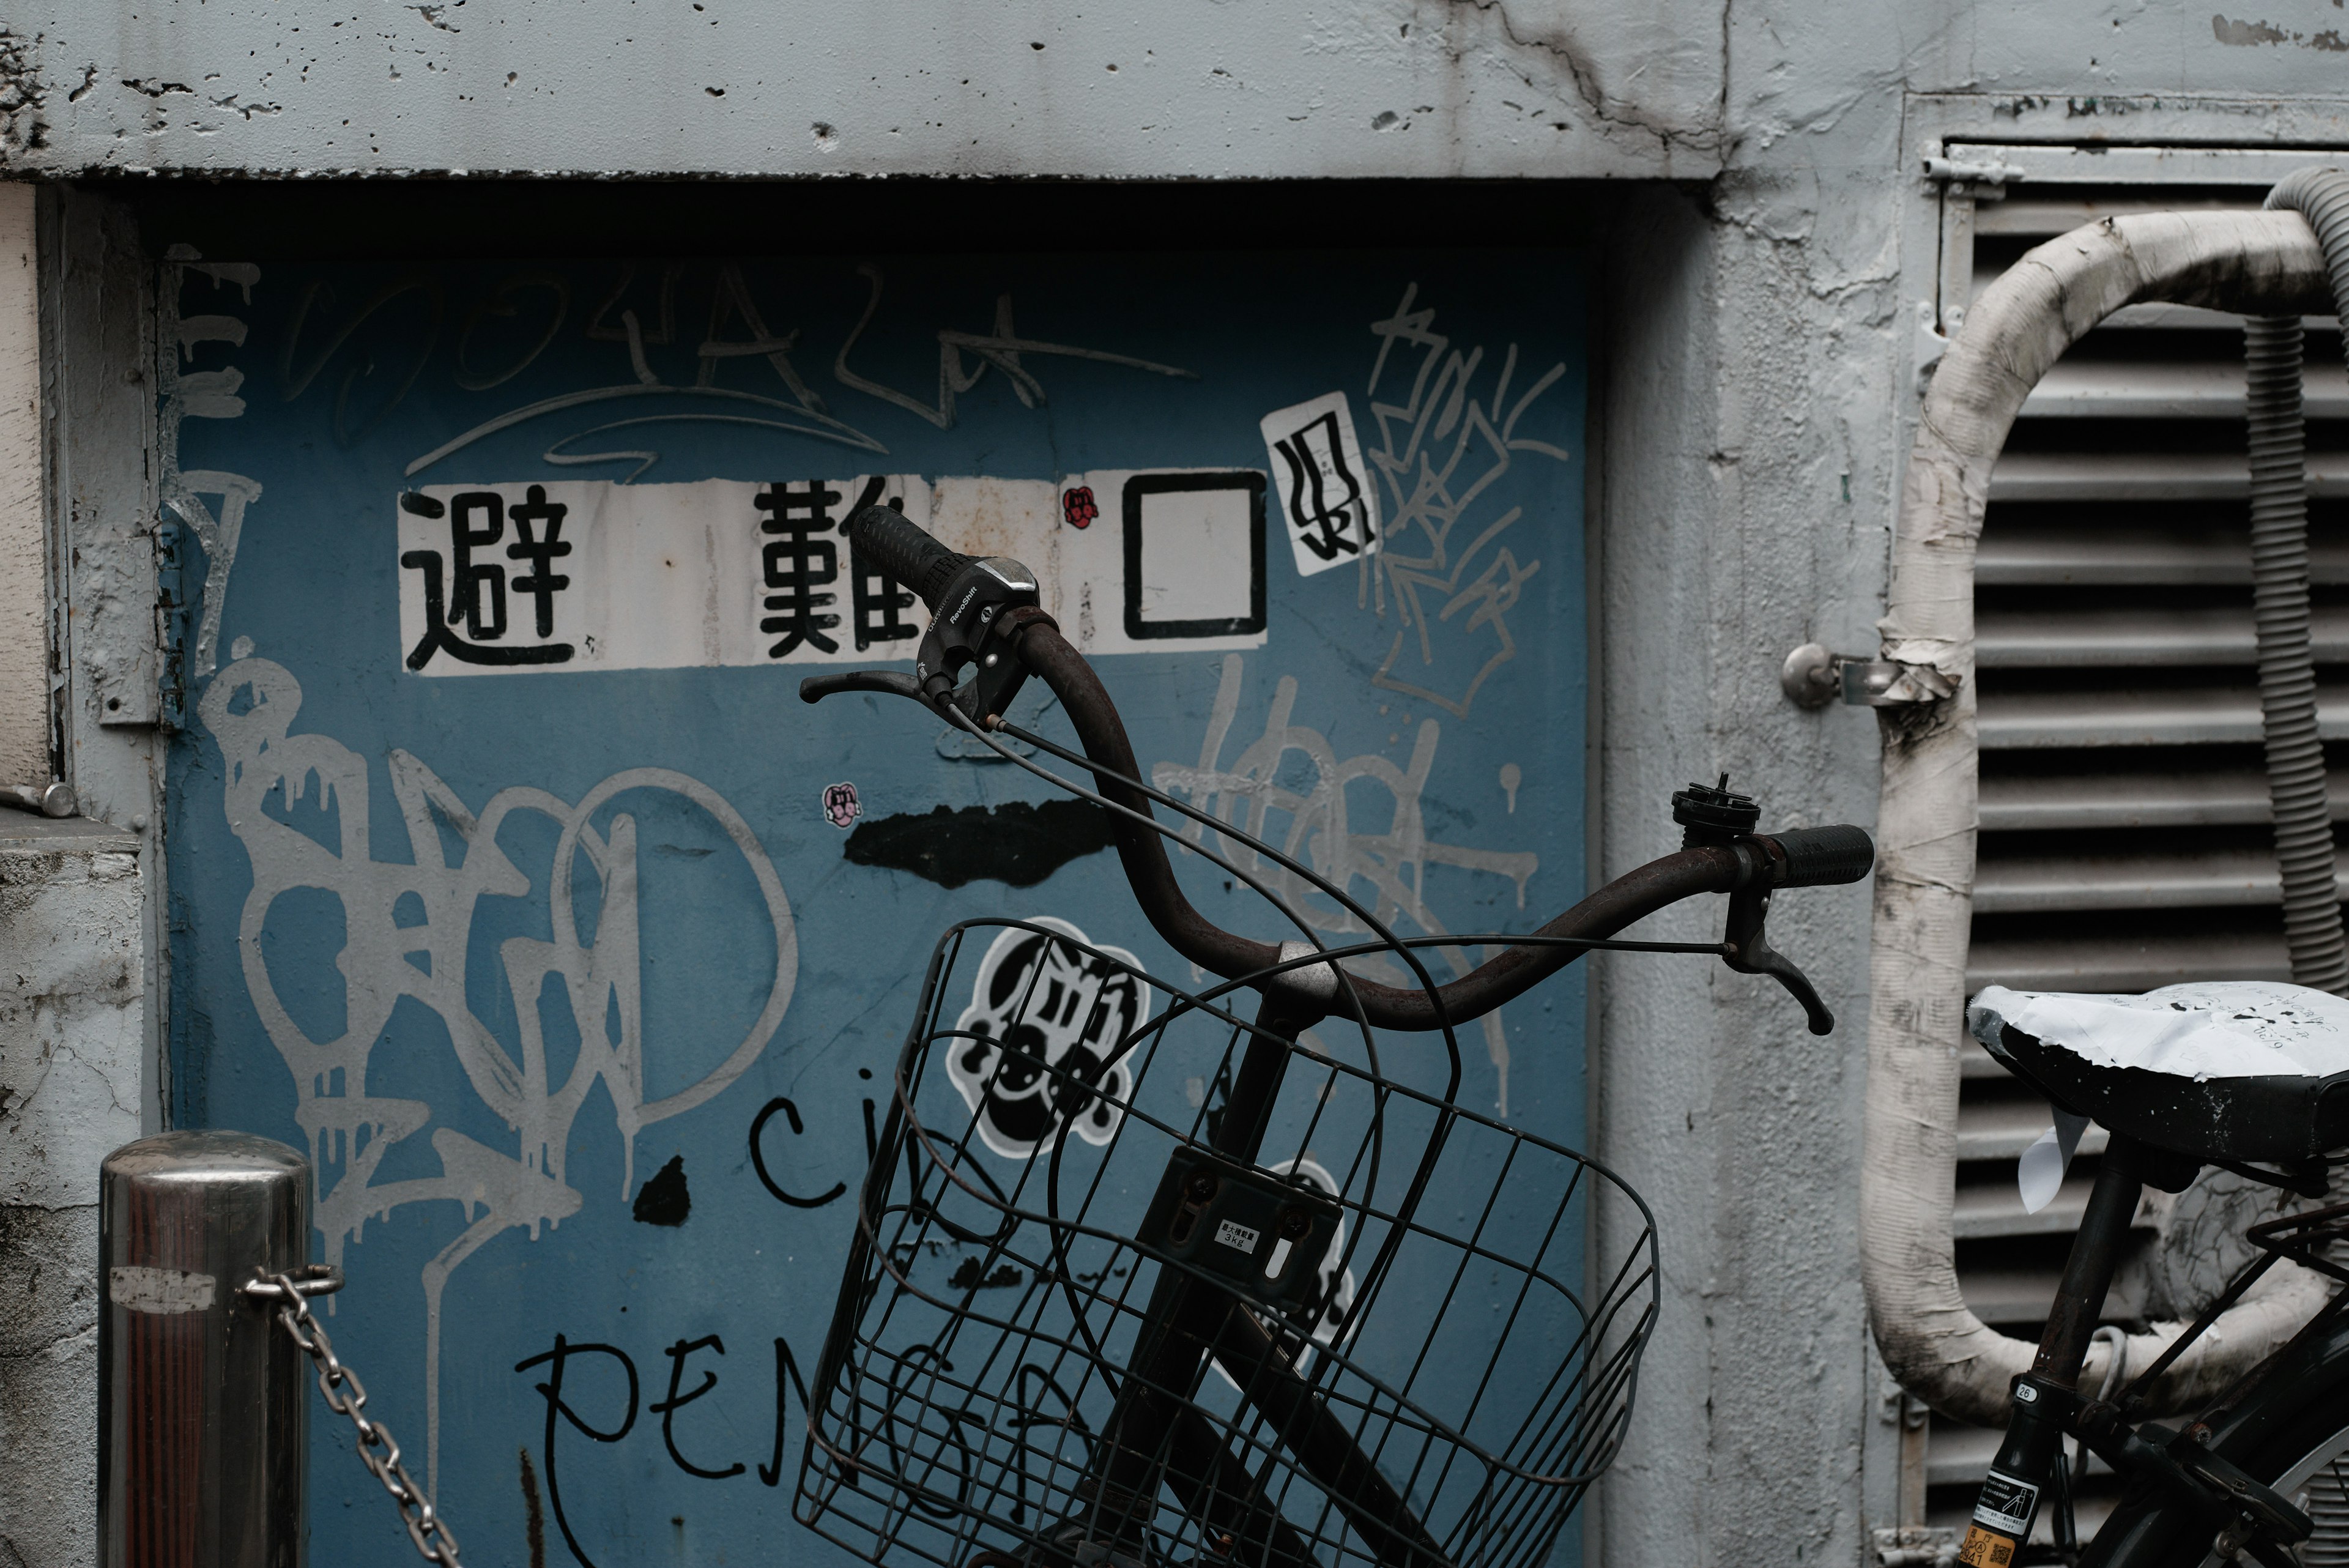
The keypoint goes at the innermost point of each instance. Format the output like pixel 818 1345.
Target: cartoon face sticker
pixel 1045 1019
pixel 841 805
pixel 1078 507
pixel 1299 1327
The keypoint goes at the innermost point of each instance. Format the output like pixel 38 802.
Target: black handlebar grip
pixel 1824 857
pixel 886 539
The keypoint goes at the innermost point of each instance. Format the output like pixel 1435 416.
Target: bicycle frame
pixel 1183 1326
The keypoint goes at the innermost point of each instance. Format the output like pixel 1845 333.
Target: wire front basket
pixel 1090 1316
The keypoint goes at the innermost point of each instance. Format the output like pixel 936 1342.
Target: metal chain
pixel 425 1527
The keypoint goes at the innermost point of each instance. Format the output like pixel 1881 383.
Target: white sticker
pixel 1328 500
pixel 140 1288
pixel 1045 1038
pixel 2005 1505
pixel 1176 557
pixel 1233 1234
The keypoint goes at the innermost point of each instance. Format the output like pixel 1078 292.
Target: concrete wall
pixel 1762 339
pixel 1622 88
pixel 71 1000
pixel 24 522
pixel 786 87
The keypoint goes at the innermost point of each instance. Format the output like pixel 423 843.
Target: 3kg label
pixel 1233 1234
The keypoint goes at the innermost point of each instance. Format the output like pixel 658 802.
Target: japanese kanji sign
pixel 592 575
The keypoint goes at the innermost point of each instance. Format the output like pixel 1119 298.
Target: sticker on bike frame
pixel 1984 1549
pixel 2005 1505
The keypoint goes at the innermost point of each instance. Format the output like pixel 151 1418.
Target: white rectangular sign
pixel 511 578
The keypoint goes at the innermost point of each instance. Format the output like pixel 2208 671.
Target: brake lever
pixel 1749 952
pixel 984 695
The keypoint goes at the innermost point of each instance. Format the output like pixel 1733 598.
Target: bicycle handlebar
pixel 1824 857
pixel 1710 868
pixel 905 551
pixel 1748 865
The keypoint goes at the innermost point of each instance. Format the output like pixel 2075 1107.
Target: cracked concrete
pixel 24 133
pixel 1188 89
pixel 1670 90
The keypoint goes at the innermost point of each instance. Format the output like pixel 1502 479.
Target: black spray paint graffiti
pixel 789 1111
pixel 790 1383
pixel 665 1199
pixel 758 1153
pixel 558 1362
pixel 1045 1019
pixel 1014 843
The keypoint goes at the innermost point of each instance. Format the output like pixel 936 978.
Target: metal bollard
pixel 203 1401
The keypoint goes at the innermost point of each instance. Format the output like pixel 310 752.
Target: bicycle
pixel 2262 1471
pixel 1255 1391
pixel 1214 1354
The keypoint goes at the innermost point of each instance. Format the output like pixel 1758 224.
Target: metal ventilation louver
pixel 2125 839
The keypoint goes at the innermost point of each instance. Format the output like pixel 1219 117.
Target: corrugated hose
pixel 2287 660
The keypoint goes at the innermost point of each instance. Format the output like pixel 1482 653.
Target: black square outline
pixel 1143 484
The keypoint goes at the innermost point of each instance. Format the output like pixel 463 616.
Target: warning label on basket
pixel 1232 1233
pixel 2005 1505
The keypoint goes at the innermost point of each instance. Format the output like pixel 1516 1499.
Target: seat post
pixel 2031 1453
pixel 2088 1272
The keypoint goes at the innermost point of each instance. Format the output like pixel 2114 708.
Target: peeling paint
pixel 24 133
pixel 2241 34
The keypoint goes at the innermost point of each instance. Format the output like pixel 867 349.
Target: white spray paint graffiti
pixel 202 395
pixel 1394 862
pixel 1438 452
pixel 406 930
pixel 805 414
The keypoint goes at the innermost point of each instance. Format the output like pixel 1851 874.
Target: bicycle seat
pixel 2223 1070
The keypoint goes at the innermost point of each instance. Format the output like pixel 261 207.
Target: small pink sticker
pixel 841 805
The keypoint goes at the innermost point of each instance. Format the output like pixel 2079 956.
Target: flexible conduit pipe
pixel 2279 446
pixel 2260 263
